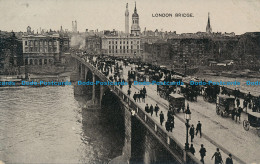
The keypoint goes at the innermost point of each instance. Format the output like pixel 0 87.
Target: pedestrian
pixel 128 92
pixel 147 108
pixel 233 114
pixel 250 105
pixel 218 157
pixel 192 149
pixel 229 159
pixel 171 124
pixel 238 102
pixel 134 96
pixel 192 132
pixel 142 96
pixel 138 97
pixel 151 109
pixel 161 117
pixel 245 105
pixel 167 125
pixel 254 109
pixel 156 109
pixel 144 90
pixel 202 153
pixel 198 128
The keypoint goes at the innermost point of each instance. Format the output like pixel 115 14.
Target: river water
pixel 243 87
pixel 49 125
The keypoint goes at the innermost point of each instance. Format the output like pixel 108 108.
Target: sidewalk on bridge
pixel 210 143
pixel 179 132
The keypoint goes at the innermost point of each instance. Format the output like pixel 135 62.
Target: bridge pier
pixel 82 72
pixel 144 140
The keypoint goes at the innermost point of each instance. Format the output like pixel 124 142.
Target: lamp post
pixel 187 116
pixel 185 67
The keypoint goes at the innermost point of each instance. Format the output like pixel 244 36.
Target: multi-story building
pixel 11 55
pixel 44 48
pixel 124 44
pixel 93 44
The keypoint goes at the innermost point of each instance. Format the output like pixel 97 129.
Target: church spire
pixel 135 8
pixel 208 27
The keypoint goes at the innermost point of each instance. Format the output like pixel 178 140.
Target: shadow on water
pixel 103 127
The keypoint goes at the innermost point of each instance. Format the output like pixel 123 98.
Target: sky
pixel 237 16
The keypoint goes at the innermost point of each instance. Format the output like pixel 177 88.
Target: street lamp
pixel 187 116
pixel 185 67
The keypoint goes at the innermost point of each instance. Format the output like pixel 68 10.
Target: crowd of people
pixel 169 122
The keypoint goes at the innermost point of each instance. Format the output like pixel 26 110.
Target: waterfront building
pixel 45 48
pixel 11 55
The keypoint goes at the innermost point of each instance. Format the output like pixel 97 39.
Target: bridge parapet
pixel 169 142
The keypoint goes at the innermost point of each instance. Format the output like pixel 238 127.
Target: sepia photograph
pixel 129 82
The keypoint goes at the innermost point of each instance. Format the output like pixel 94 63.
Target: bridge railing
pixel 175 147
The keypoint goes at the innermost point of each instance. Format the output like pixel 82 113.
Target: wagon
pixel 225 105
pixel 253 121
pixel 177 101
pixel 141 76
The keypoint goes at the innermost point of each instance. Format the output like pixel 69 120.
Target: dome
pixel 135 15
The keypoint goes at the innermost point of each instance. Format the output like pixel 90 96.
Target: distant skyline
pixel 237 16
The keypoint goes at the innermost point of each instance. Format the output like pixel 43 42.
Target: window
pixel 137 42
pixel 109 42
pixel 116 42
pixel 127 42
pixel 131 42
pixel 120 42
pixel 124 42
pixel 26 43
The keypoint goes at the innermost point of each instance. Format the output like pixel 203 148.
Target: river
pixel 243 87
pixel 49 125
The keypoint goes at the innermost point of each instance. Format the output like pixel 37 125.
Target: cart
pixel 225 105
pixel 177 101
pixel 253 121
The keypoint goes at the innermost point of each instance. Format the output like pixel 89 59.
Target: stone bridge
pixel 141 130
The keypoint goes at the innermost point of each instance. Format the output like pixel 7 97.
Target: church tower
pixel 135 29
pixel 127 20
pixel 208 28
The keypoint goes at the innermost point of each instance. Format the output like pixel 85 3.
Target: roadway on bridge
pixel 217 131
pixel 221 132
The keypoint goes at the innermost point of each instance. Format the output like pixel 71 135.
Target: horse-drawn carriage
pixel 225 105
pixel 210 93
pixel 131 75
pixel 141 76
pixel 177 102
pixel 253 121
